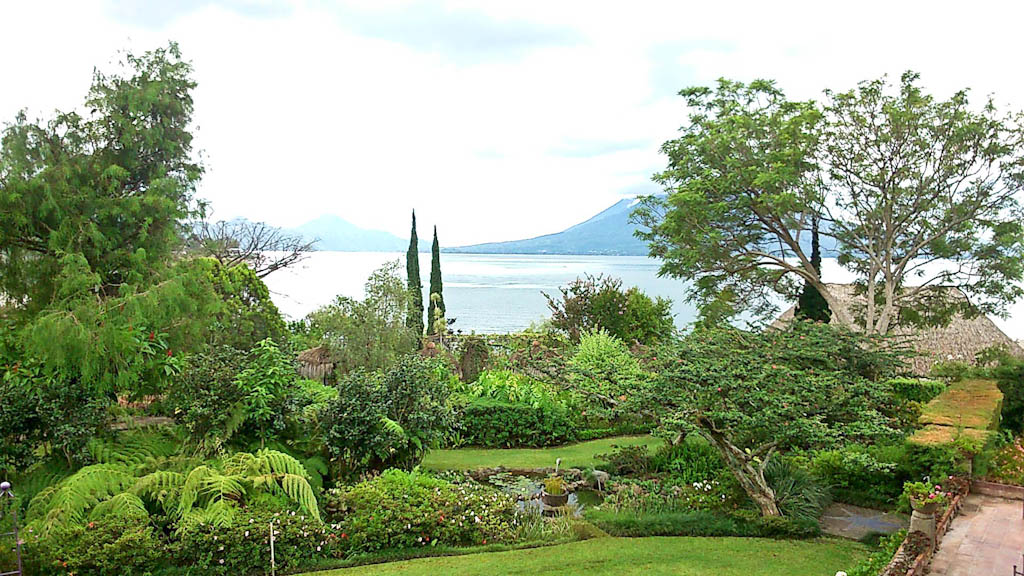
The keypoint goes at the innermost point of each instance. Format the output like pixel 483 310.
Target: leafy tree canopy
pixel 752 394
pixel 911 189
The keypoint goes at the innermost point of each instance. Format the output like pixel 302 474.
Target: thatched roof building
pixel 960 341
pixel 316 363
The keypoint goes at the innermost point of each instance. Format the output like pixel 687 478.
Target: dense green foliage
pixel 752 174
pixel 599 303
pixel 389 419
pixel 93 202
pixel 752 394
pixel 497 423
pixel 1010 375
pixel 605 374
pixel 410 509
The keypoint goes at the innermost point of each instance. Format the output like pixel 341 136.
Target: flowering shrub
pixel 411 509
pixel 668 496
pixel 1007 465
pixel 241 543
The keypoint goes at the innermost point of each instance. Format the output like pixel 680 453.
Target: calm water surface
pixel 504 292
pixel 483 292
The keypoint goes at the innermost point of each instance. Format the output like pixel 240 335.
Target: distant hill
pixel 337 234
pixel 608 233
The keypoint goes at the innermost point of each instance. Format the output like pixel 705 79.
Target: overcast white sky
pixel 495 120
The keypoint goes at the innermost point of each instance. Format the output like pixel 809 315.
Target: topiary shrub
pixel 915 389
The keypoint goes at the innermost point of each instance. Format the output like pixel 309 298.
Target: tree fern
pixel 123 505
pixel 69 501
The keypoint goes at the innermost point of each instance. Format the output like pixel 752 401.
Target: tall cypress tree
pixel 812 305
pixel 435 285
pixel 414 318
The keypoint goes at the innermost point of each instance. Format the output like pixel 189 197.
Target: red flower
pixel 343 535
pixel 168 352
pixel 152 335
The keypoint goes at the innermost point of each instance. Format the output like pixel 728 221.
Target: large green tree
pixel 754 394
pixel 414 319
pixel 435 310
pixel 913 192
pixel 102 193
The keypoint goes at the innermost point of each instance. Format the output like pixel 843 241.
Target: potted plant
pixel 925 498
pixel 553 493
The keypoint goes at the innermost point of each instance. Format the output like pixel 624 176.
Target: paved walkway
pixel 986 539
pixel 855 522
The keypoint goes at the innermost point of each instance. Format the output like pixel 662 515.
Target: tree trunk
pixel 747 470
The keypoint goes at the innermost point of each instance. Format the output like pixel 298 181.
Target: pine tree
pixel 414 319
pixel 435 286
pixel 811 305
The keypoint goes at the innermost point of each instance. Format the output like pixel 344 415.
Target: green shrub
pixel 241 543
pixel 669 495
pixel 915 389
pixel 862 475
pixel 699 523
pixel 798 494
pixel 598 302
pixel 692 460
pixel 604 373
pixel 489 422
pixel 109 547
pixel 1010 376
pixel 388 420
pixel 400 510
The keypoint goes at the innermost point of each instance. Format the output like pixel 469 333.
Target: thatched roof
pixel 315 356
pixel 961 340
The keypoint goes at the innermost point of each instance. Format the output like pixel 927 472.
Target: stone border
pixel 998 490
pixel 919 565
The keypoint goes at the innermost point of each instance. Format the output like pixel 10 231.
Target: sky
pixel 494 120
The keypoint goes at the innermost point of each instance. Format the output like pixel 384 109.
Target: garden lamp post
pixel 7 493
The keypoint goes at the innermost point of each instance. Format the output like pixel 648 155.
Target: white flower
pixel 840 573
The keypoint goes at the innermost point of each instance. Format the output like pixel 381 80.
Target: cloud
pixel 495 120
pixel 459 33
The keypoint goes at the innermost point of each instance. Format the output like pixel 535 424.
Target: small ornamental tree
pixel 752 395
pixel 599 303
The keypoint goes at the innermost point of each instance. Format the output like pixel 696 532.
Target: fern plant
pixel 209 492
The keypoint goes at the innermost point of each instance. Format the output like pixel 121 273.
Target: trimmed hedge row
pixel 700 523
pixel 495 423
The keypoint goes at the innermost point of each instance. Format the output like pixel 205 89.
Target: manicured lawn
pixel 579 455
pixel 648 556
pixel 969 404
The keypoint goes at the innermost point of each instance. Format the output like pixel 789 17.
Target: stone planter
pixel 924 507
pixel 554 500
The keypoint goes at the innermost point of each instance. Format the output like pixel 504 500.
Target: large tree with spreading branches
pixel 911 192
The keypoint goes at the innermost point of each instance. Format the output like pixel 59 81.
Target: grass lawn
pixel 579 455
pixel 969 404
pixel 649 556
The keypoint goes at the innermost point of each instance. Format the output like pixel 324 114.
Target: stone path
pixel 855 522
pixel 986 539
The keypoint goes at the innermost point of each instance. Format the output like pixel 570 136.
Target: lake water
pixel 489 293
pixel 484 292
